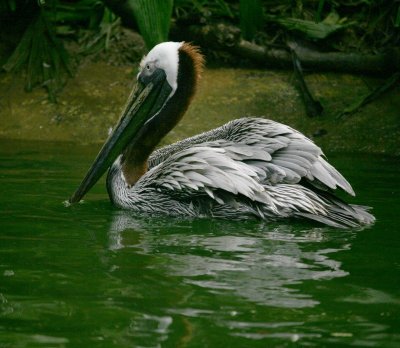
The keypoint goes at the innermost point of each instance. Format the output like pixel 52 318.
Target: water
pixel 91 275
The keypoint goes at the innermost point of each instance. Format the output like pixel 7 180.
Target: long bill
pixel 143 103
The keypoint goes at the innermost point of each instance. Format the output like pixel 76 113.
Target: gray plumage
pixel 249 167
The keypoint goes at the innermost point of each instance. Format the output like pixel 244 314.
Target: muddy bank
pixel 91 102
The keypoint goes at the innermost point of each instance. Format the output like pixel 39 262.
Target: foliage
pixel 153 19
pixel 40 51
pixel 95 41
pixel 310 29
pixel 43 56
pixel 200 11
pixel 366 25
pixel 251 18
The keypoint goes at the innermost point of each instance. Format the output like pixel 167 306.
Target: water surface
pixel 91 275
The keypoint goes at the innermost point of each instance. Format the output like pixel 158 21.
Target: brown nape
pixel 135 157
pixel 197 59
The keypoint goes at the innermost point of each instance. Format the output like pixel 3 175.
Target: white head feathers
pixel 164 56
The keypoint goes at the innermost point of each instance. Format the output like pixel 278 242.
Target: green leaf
pixel 153 18
pixel 397 20
pixel 312 30
pixel 12 5
pixel 250 18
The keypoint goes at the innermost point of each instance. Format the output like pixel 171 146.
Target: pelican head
pixel 166 83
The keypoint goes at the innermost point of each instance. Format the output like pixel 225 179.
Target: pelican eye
pixel 148 72
pixel 149 68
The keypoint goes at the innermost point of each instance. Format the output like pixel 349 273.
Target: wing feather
pixel 247 151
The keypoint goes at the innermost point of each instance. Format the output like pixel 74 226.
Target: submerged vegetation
pixel 35 33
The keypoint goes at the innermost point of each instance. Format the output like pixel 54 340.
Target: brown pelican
pixel 249 167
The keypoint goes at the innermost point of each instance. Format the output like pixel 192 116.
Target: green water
pixel 93 276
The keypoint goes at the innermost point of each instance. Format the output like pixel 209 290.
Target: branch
pixel 226 37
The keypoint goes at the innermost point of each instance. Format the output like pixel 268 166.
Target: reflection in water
pixel 256 262
pixel 88 276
